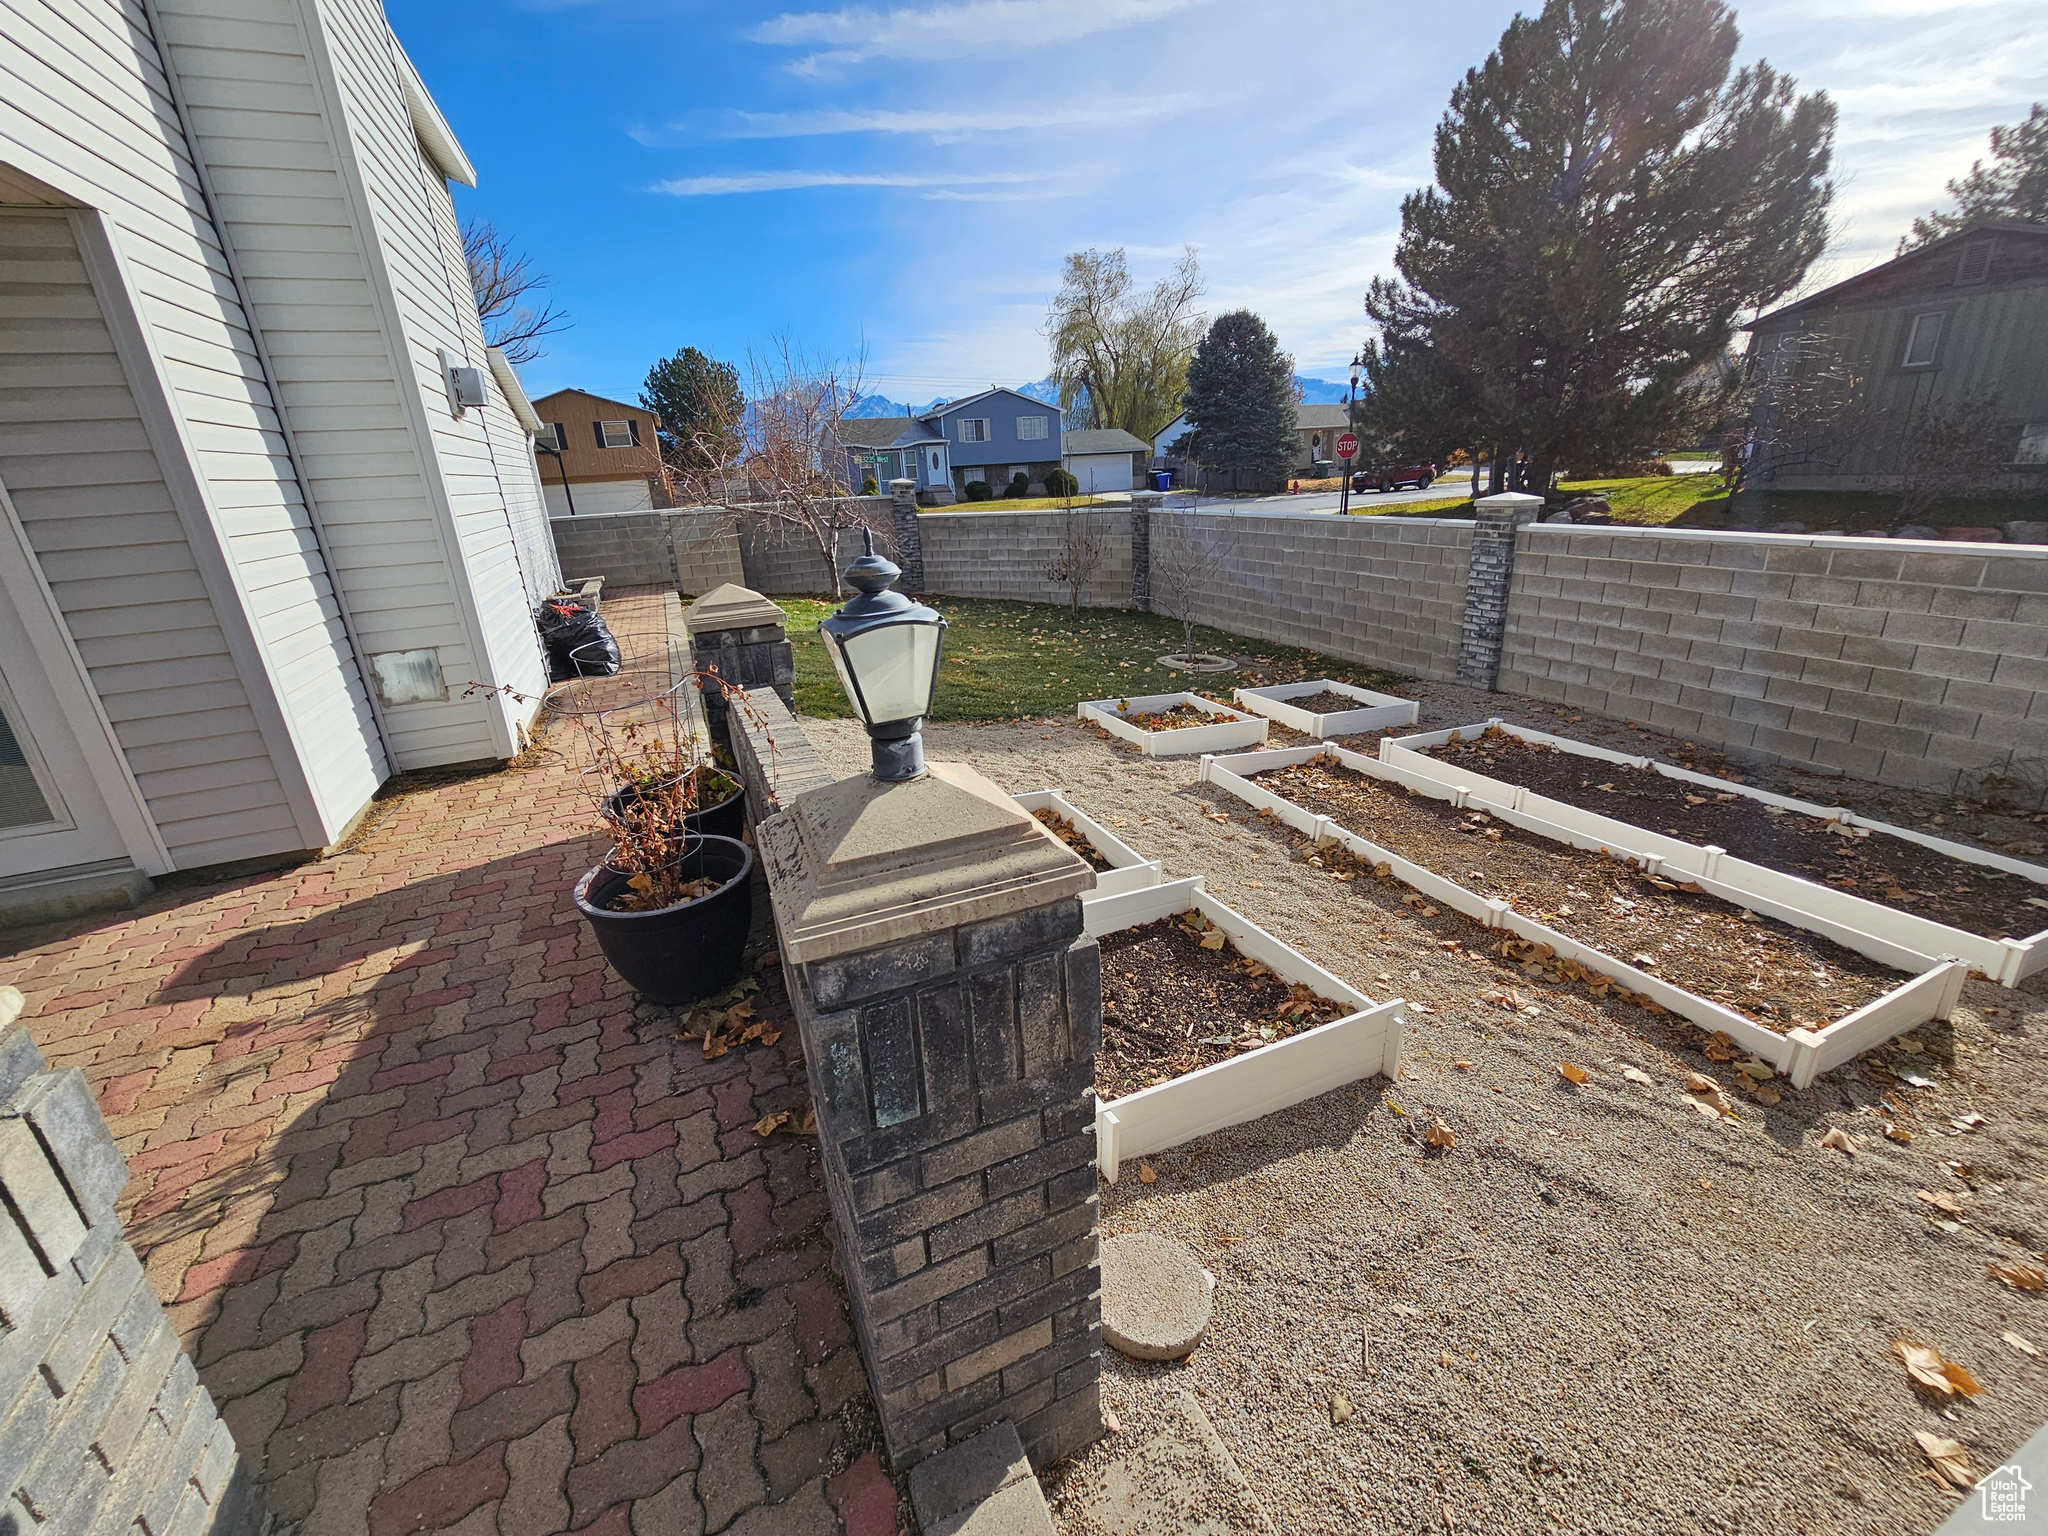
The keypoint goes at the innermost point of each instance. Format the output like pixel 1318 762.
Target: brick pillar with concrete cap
pixel 737 633
pixel 909 542
pixel 1143 505
pixel 1496 521
pixel 951 1006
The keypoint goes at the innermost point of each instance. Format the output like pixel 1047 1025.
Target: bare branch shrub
pixel 1182 564
pixel 1083 541
pixel 1952 449
pixel 774 459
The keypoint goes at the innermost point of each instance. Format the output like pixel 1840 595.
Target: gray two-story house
pixel 989 436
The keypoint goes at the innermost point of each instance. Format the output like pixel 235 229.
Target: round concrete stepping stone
pixel 1156 1297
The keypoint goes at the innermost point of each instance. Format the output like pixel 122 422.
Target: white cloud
pixel 854 34
pixel 949 124
pixel 792 181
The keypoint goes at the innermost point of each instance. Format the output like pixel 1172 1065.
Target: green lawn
pixel 1697 501
pixel 1007 659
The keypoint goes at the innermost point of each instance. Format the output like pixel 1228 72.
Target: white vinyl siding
pixel 107 534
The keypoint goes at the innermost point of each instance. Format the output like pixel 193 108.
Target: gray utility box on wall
pixel 737 634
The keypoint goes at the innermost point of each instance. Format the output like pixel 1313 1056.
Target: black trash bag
pixel 579 643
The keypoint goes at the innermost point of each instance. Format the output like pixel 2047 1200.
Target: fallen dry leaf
pixel 1928 1368
pixel 1705 1109
pixel 2021 1277
pixel 1699 1082
pixel 1759 1071
pixel 1110 1424
pixel 1949 1459
pixel 1340 1410
pixel 1767 1096
pixel 1840 1140
pixel 1147 1174
pixel 1462 1064
pixel 1638 1075
pixel 2021 1345
pixel 768 1125
pixel 1720 1046
pixel 1440 1135
pixel 1571 1073
pixel 1893 1133
pixel 1942 1200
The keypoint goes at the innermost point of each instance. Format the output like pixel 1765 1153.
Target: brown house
pixel 604 449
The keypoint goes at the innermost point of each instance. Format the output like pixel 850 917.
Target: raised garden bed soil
pixel 1781 977
pixel 1171 1005
pixel 1328 702
pixel 1889 870
pixel 1063 829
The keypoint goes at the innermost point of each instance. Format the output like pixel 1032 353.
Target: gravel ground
pixel 1600 1311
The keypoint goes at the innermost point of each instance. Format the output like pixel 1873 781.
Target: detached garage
pixel 1111 460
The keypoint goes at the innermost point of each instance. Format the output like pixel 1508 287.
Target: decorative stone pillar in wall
pixel 103 1423
pixel 909 544
pixel 1143 505
pixel 951 1007
pixel 1486 583
pixel 737 633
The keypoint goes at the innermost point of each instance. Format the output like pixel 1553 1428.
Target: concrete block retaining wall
pixel 1006 554
pixel 1901 662
pixel 103 1424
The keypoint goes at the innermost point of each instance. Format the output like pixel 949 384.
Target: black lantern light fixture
pixel 885 649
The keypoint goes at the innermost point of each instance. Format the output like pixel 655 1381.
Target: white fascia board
pixel 435 136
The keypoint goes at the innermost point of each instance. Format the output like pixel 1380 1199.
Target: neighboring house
pixel 1171 441
pixel 887 448
pixel 605 450
pixel 1099 460
pixel 989 436
pixel 268 507
pixel 1959 319
pixel 1315 432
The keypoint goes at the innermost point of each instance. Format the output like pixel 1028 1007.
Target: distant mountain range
pixel 1313 392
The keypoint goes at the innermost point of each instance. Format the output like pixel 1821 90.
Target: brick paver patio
pixel 459 1237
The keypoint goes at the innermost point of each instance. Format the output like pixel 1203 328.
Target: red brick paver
pixel 458 1235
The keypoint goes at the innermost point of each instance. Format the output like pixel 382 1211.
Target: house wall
pixel 577 414
pixel 1004 447
pixel 79 465
pixel 596 497
pixel 1994 337
pixel 456 493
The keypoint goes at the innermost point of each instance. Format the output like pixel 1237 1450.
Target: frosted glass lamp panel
pixel 894 663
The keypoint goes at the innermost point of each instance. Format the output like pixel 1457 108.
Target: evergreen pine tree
pixel 1609 200
pixel 699 404
pixel 2014 186
pixel 1240 397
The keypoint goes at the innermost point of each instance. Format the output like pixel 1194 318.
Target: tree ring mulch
pixel 1170 1005
pixel 1891 871
pixel 1200 662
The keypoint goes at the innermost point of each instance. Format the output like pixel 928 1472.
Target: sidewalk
pixel 458 1235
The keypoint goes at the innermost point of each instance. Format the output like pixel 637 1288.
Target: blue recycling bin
pixel 1162 479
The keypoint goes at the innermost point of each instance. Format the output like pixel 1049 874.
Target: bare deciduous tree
pixel 511 296
pixel 1813 409
pixel 1082 543
pixel 1183 561
pixel 772 458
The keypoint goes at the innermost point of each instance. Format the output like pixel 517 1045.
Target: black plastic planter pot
pixel 678 954
pixel 728 818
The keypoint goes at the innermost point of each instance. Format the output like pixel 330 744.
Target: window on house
pixel 618 434
pixel 1975 265
pixel 1030 429
pixel 2033 444
pixel 551 436
pixel 974 429
pixel 1923 336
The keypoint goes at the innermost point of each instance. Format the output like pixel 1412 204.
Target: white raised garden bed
pixel 1375 712
pixel 1800 1055
pixel 2005 961
pixel 1366 1040
pixel 1233 728
pixel 1132 871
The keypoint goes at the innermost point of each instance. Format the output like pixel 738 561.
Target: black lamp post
pixel 564 468
pixel 885 649
pixel 1351 426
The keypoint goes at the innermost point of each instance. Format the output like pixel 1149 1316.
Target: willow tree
pixel 1120 357
pixel 1611 196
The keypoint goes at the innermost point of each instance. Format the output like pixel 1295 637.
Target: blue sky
pixel 907 178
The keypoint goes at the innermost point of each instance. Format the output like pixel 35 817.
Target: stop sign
pixel 1347 445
